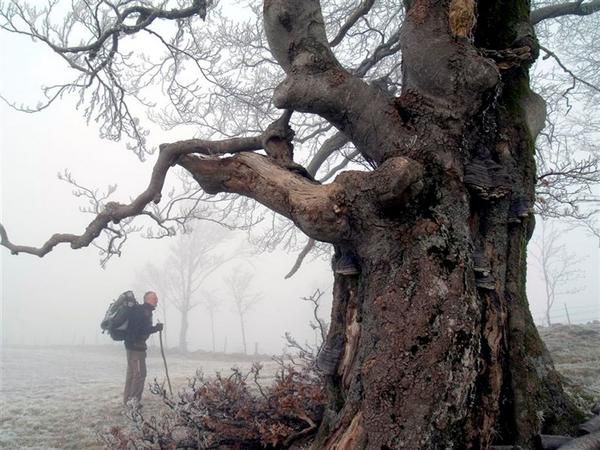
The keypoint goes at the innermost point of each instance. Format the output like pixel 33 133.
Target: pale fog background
pixel 61 298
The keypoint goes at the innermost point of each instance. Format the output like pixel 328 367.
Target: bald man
pixel 139 329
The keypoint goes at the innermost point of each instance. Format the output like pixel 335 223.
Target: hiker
pixel 139 328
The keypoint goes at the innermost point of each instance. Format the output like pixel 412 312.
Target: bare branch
pixel 383 50
pixel 345 161
pixel 106 80
pixel 330 146
pixel 143 16
pixel 362 10
pixel 115 212
pixel 553 55
pixel 308 204
pixel 319 324
pixel 565 185
pixel 209 148
pixel 578 8
pixel 305 251
pixel 314 208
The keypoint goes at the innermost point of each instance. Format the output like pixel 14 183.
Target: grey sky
pixel 62 297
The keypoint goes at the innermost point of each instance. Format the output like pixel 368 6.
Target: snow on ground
pixel 575 351
pixel 60 397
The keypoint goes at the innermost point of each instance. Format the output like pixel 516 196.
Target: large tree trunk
pixel 431 344
pixel 426 352
pixel 419 356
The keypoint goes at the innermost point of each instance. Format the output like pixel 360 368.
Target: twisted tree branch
pixel 317 83
pixel 144 16
pixel 115 212
pixel 309 205
pixel 551 54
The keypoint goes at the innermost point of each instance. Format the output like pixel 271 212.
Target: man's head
pixel 151 298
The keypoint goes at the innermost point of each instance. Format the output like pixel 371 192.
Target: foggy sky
pixel 61 298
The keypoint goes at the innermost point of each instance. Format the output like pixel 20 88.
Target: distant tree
pixel 559 267
pixel 243 298
pixel 150 277
pixel 193 259
pixel 211 303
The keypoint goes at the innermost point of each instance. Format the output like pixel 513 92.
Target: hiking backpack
pixel 115 320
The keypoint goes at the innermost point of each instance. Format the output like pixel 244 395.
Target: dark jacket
pixel 139 327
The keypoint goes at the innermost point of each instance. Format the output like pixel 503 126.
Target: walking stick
pixel 162 352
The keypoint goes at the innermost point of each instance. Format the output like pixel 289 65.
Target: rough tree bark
pixel 431 344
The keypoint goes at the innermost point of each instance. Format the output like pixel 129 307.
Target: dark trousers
pixel 136 375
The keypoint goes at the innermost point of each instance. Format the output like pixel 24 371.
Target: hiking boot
pixel 487 282
pixel 346 265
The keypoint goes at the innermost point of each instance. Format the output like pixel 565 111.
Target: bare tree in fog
pixel 559 267
pixel 431 103
pixel 568 149
pixel 243 298
pixel 211 303
pixel 152 278
pixel 194 258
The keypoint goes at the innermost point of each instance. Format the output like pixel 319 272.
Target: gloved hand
pixel 158 327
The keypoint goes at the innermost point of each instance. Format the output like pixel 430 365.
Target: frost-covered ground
pixel 576 354
pixel 60 397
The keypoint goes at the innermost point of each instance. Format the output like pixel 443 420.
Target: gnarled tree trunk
pixel 431 344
